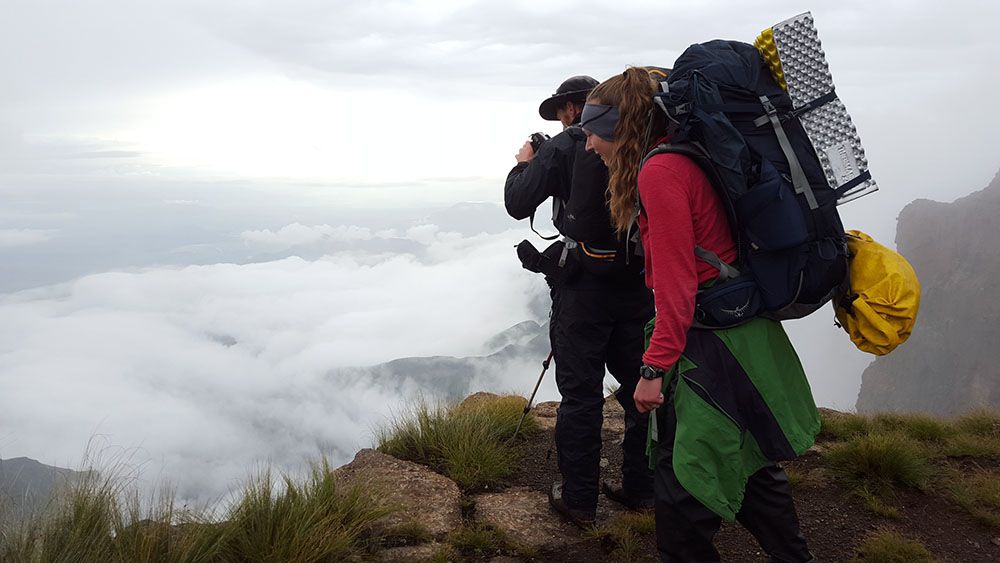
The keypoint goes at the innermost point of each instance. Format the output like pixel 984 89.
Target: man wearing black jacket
pixel 600 305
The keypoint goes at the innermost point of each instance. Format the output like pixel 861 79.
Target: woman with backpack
pixel 727 404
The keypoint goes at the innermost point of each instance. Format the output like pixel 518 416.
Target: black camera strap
pixel 557 205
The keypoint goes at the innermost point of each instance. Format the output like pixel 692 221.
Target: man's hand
pixel 526 153
pixel 647 394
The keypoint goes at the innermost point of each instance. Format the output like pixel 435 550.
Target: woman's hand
pixel 647 394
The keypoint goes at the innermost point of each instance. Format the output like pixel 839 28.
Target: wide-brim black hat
pixel 574 89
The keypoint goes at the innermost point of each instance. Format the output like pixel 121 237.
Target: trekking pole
pixel 527 407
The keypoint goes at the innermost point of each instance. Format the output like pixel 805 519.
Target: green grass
pixel 982 422
pixel 467 505
pixel 918 426
pixel 976 434
pixel 921 427
pixel 98 519
pixel 101 520
pixel 881 461
pixel 876 455
pixel 843 426
pixel 891 547
pixel 407 534
pixel 623 535
pixel 443 554
pixel 481 540
pixel 970 445
pixel 470 442
pixel 795 478
pixel 304 522
pixel 878 503
pixel 977 492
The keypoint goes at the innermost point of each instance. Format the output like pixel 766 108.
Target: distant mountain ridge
pixel 450 378
pixel 26 484
pixel 951 363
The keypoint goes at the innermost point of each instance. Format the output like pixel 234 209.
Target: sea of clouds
pixel 203 371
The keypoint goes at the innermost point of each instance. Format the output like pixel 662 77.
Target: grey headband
pixel 600 120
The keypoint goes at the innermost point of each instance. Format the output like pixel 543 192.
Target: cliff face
pixel 951 363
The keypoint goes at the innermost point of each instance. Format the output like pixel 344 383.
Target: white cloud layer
pixel 10 238
pixel 210 368
pixel 298 234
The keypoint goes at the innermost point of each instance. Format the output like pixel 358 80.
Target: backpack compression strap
pixel 799 179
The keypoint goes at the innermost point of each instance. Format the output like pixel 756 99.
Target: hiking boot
pixel 618 494
pixel 583 519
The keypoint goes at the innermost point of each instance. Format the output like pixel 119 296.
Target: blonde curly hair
pixel 632 93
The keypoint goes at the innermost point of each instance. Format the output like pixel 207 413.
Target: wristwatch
pixel 650 372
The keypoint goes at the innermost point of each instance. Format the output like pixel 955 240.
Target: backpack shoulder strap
pixel 700 156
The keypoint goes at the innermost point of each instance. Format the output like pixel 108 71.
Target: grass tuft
pixel 843 426
pixel 300 522
pixel 101 519
pixel 877 504
pixel 411 533
pixel 984 423
pixel 623 535
pixel 795 478
pixel 470 442
pixel 891 547
pixel 480 540
pixel 978 493
pixel 919 426
pixel 971 445
pixel 881 461
pixel 443 554
pixel 96 518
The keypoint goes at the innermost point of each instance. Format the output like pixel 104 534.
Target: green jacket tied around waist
pixel 741 402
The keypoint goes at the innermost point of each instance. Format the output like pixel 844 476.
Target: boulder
pixel 525 517
pixel 545 414
pixel 613 427
pixel 614 421
pixel 422 496
pixel 478 398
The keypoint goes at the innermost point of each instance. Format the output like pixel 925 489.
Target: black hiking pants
pixel 592 328
pixel 685 527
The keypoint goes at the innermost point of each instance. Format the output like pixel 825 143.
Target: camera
pixel 537 139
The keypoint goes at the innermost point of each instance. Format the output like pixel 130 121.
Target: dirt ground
pixel 833 520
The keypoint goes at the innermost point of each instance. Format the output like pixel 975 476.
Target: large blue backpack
pixel 726 112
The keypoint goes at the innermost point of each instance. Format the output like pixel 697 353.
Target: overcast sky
pixel 173 173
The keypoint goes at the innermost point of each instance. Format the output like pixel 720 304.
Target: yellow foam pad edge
pixel 769 50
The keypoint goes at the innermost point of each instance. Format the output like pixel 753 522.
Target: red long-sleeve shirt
pixel 681 211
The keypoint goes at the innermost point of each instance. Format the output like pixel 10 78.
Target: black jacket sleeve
pixel 547 174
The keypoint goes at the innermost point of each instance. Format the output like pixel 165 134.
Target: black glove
pixel 529 256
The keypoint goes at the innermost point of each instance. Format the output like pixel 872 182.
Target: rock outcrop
pixel 951 363
pixel 424 498
pixel 524 516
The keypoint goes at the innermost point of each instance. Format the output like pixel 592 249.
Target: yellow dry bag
pixel 881 308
